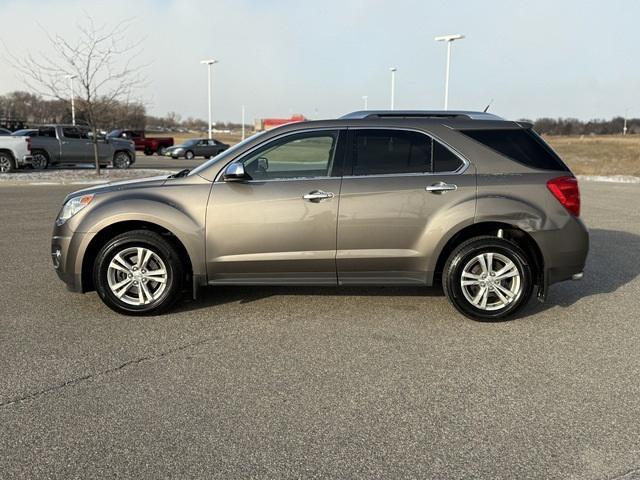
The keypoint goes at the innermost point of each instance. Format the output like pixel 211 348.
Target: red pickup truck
pixel 148 145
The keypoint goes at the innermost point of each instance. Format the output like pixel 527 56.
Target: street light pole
pixel 393 87
pixel 624 128
pixel 209 63
pixel 449 39
pixel 73 105
pixel 242 122
pixel 365 99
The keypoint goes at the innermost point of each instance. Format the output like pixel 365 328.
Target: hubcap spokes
pixel 137 276
pixel 490 281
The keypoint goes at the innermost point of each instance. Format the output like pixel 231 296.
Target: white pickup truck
pixel 15 152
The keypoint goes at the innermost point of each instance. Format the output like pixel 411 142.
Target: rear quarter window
pixel 523 146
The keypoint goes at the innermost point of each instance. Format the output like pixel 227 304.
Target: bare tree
pixel 103 63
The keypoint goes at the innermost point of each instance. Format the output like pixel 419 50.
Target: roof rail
pixel 462 114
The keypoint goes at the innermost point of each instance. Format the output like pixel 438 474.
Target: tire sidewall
pixel 124 164
pixel 7 158
pixel 189 155
pixel 457 262
pixel 44 160
pixel 160 248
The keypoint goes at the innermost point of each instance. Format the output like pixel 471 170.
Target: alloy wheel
pixel 137 276
pixel 491 281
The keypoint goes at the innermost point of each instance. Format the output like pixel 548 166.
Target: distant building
pixel 269 123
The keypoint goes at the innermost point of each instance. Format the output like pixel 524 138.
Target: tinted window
pixel 523 146
pixel 47 132
pixel 303 155
pixel 379 152
pixel 70 132
pixel 444 160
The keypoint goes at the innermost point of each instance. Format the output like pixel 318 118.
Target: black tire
pixel 121 160
pixel 464 255
pixel 39 160
pixel 147 151
pixel 155 243
pixel 188 155
pixel 7 164
pixel 159 150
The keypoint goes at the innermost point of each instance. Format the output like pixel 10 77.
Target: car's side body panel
pixel 265 232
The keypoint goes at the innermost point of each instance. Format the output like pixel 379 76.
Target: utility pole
pixel 449 39
pixel 73 105
pixel 209 64
pixel 242 122
pixel 393 87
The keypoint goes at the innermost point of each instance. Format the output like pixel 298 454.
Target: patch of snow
pixel 610 178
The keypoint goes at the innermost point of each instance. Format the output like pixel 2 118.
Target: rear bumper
pixel 25 160
pixel 564 250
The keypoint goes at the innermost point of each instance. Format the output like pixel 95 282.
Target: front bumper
pixel 65 248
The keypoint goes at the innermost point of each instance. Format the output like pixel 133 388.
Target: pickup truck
pixel 148 145
pixel 14 152
pixel 71 144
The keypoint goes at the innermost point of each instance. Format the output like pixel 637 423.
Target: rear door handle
pixel 441 187
pixel 317 195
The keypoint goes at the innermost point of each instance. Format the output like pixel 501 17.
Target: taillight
pixel 566 190
pixel 28 144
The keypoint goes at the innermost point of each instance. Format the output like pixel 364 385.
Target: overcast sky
pixel 533 58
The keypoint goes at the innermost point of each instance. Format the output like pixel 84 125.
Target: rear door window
pixel 444 160
pixel 71 132
pixel 384 152
pixel 523 146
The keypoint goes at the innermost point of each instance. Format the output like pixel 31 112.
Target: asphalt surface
pixel 320 382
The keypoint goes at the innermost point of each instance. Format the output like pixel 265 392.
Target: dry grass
pixel 599 154
pixel 585 155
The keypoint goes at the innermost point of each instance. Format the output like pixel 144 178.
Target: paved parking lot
pixel 320 382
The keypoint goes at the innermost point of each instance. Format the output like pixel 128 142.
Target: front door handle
pixel 317 195
pixel 441 187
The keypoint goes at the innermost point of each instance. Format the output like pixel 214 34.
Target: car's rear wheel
pixel 138 273
pixel 148 151
pixel 7 164
pixel 39 160
pixel 121 160
pixel 189 155
pixel 488 278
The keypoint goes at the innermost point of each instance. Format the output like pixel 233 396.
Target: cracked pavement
pixel 319 382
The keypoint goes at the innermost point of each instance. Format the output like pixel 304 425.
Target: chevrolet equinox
pixel 481 204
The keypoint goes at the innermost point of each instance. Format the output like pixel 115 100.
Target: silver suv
pixel 467 199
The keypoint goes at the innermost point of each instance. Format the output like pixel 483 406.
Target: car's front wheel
pixel 121 160
pixel 189 155
pixel 138 273
pixel 488 278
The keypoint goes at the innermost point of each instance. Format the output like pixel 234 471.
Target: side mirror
pixel 234 172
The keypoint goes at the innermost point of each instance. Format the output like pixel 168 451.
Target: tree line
pixel 32 109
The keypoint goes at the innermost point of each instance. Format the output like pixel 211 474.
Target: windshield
pixel 114 133
pixel 227 153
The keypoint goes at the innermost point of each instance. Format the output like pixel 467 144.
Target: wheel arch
pixel 110 231
pixel 509 232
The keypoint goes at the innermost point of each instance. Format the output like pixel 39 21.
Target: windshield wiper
pixel 181 173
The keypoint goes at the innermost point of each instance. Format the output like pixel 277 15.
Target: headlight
pixel 73 206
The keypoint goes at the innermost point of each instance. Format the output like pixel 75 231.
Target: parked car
pixel 148 145
pixel 71 144
pixel 4 131
pixel 196 147
pixel 15 152
pixel 25 132
pixel 478 203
